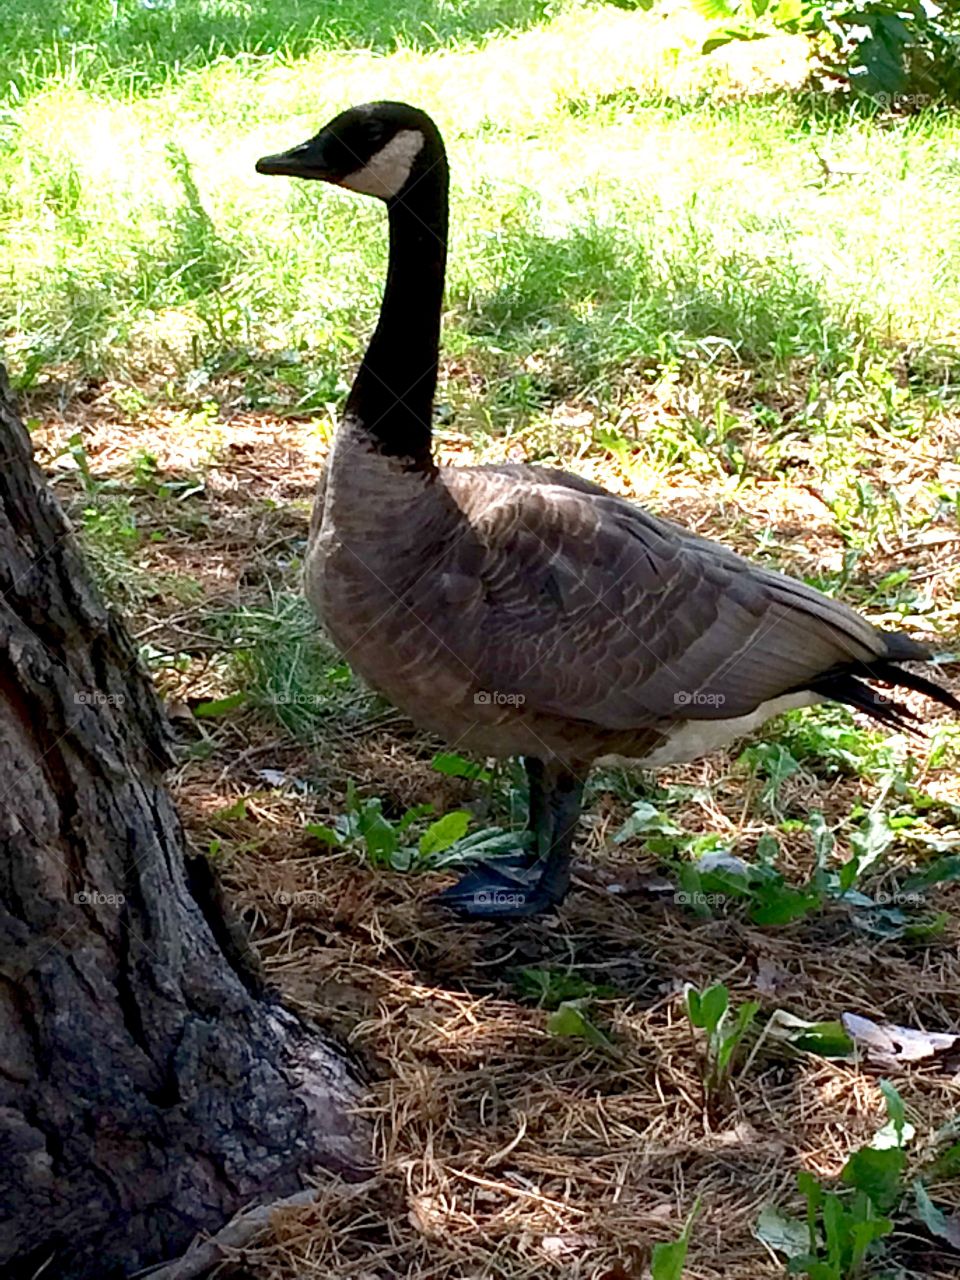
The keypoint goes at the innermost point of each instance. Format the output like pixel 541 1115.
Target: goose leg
pixel 514 887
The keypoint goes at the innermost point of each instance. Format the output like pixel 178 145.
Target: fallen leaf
pixel 934 1219
pixel 889 1045
pixel 722 861
pixel 277 778
pixel 788 1236
pixel 771 977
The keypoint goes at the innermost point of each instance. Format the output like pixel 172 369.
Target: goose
pixel 518 610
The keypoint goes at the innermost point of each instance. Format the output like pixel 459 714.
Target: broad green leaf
pixel 219 706
pixel 812 1192
pixel 668 1260
pixel 718 41
pixel 928 927
pixel 231 812
pixel 645 817
pixel 713 1006
pixel 768 848
pixel 828 1039
pixel 808 1266
pixel 725 884
pixel 691 884
pixel 942 871
pixel 866 1228
pixel 823 839
pixel 414 815
pixel 781 904
pixel 714 10
pixel 882 65
pixel 878 1173
pixel 694 1012
pixel 745 1016
pixel 453 765
pixel 895 1109
pixel 788 11
pixel 833 1224
pixel 721 38
pixel 891 922
pixel 551 988
pixel 490 842
pixel 444 832
pixel 326 835
pixel 870 842
pixel 570 1020
pixel 775 762
pixel 379 835
pixel 402 859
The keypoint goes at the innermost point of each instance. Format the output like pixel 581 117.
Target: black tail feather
pixel 843 686
pixel 847 683
pixel 921 684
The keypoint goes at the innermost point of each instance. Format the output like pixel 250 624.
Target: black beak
pixel 302 161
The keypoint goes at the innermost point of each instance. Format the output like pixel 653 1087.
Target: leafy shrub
pixel 903 53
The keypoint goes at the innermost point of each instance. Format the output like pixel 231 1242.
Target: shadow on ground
pixel 143 42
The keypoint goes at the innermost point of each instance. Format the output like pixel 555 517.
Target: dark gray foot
pixel 518 886
pixel 509 888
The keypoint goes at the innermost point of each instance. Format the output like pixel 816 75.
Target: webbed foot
pixel 518 886
pixel 509 888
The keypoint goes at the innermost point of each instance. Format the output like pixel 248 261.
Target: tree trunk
pixel 147 1089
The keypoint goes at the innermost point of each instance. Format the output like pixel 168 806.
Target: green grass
pixel 281 665
pixel 617 231
pixel 626 224
pixel 141 45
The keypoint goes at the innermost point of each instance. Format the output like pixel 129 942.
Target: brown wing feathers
pixel 598 611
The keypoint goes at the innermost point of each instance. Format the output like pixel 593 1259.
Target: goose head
pixel 379 149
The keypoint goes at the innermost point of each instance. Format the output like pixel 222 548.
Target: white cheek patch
pixel 385 173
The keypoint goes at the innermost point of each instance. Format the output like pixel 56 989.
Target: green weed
pixel 726 1032
pixel 843 1228
pixel 388 843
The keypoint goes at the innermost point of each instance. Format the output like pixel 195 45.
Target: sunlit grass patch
pixel 280 664
pixel 636 232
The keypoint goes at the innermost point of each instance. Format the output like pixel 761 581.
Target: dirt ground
pixel 504 1150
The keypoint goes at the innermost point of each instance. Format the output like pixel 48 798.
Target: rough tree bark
pixel 147 1090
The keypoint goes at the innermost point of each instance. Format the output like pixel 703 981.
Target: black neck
pixel 392 396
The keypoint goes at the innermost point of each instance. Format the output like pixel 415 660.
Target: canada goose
pixel 518 610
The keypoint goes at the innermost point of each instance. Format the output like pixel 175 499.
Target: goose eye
pixel 376 135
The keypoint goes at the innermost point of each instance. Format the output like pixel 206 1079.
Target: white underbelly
pixel 691 739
